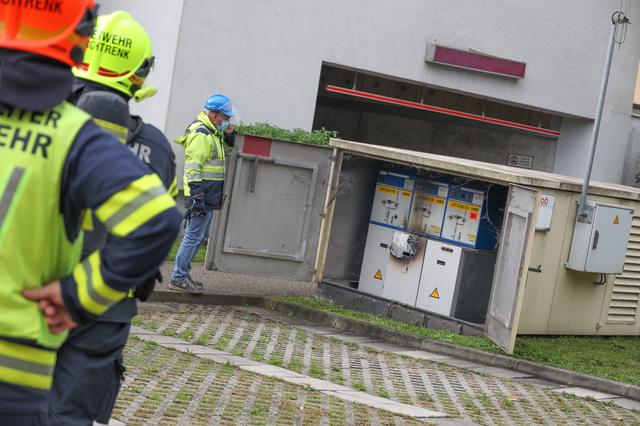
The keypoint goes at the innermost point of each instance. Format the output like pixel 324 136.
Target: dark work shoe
pixel 188 286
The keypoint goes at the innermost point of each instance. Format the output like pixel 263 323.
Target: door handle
pixel 596 237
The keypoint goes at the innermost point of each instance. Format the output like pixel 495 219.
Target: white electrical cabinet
pixel 403 274
pixel 428 208
pixel 376 257
pixel 439 277
pixel 599 243
pixel 392 200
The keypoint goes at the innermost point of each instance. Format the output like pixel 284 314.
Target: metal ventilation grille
pixel 625 297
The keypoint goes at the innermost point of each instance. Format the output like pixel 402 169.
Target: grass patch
pixel 382 393
pixel 168 332
pixel 442 335
pixel 187 334
pixel 506 403
pixel 296 365
pixel 198 258
pixel 275 360
pixel 425 397
pixel 203 340
pixel 259 409
pixel 316 370
pixel 613 358
pixel 359 386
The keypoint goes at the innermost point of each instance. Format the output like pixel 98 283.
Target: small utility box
pixel 600 240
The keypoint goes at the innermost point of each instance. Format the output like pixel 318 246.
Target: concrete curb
pixel 554 374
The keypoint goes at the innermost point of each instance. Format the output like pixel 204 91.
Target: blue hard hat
pixel 220 103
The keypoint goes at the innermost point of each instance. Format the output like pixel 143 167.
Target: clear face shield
pixel 234 113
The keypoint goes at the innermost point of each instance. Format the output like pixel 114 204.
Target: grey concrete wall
pixel 632 157
pixel 267 56
pixel 268 53
pixel 613 138
pixel 471 142
pixel 161 19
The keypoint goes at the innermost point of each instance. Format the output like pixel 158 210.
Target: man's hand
pixel 198 208
pixel 51 304
pixel 229 129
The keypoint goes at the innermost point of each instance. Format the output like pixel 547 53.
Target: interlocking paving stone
pixel 167 387
pixel 321 385
pixel 285 375
pixel 272 371
pixel 627 403
pixel 402 374
pixel 461 363
pixel 536 381
pixel 430 356
pixel 353 338
pixel 499 372
pixel 195 349
pixel 583 392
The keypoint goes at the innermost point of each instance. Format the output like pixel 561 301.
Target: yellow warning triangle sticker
pixel 435 293
pixel 378 275
pixel 616 221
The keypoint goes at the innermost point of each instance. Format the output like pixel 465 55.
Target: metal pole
pixel 583 214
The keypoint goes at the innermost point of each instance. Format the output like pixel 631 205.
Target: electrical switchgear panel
pixel 473 215
pixel 462 217
pixel 392 200
pixel 428 208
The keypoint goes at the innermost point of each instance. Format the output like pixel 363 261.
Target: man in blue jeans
pixel 204 170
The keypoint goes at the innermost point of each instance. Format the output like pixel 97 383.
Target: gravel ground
pixel 240 285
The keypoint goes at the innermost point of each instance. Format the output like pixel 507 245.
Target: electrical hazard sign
pixel 435 293
pixel 378 275
pixel 616 220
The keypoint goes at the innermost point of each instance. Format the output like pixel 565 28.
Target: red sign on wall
pixel 475 61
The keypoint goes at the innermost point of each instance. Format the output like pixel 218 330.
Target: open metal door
pixel 511 268
pixel 270 222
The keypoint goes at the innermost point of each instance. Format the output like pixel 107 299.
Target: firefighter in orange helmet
pixel 56 163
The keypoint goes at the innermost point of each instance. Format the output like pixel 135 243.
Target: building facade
pixel 360 67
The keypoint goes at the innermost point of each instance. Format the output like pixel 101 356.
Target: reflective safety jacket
pixel 53 165
pixel 204 161
pixel 110 111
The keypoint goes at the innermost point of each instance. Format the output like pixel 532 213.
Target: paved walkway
pixel 338 370
pixel 237 284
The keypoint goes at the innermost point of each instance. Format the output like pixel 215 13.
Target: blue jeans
pixel 193 235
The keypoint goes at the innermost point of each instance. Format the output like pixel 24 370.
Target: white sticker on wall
pixel 545 212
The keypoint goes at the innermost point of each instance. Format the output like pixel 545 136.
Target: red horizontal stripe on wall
pixel 440 110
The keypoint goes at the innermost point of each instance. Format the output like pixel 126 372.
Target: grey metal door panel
pixel 281 192
pixel 269 224
pixel 511 268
